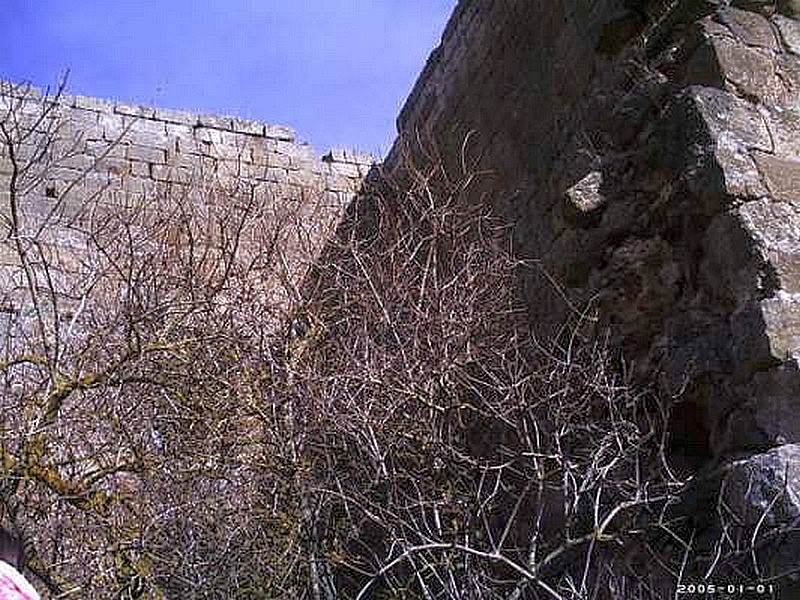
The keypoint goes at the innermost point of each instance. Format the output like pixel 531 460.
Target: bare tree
pixel 144 449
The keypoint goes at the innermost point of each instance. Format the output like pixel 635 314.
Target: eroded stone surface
pixel 660 181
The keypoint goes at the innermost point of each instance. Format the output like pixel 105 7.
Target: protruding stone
pixel 584 201
pixel 726 114
pixel 784 124
pixel 740 176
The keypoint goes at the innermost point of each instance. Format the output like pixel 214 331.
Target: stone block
pixel 138 187
pixel 180 140
pixel 92 104
pixel 166 173
pixel 789 30
pixel 301 155
pixel 82 162
pixel 741 178
pixel 147 133
pixel 725 113
pixel 769 417
pixel 781 176
pixel 731 268
pixel 112 126
pixel 755 501
pixel 237 153
pixel 209 135
pixel 178 117
pixel 278 160
pixel 774 228
pixel 215 122
pixel 337 182
pixel 750 71
pixel 247 127
pixel 99 148
pixel 6 166
pixel 781 314
pixel 335 200
pixel 85 123
pixel 275 175
pixel 348 170
pixel 63 174
pixel 763 492
pixel 114 165
pixel 179 131
pixel 139 169
pixel 784 127
pixel 181 159
pixel 349 156
pixel 9 256
pixel 146 154
pixel 584 201
pixel 279 132
pixel 707 134
pixel 207 166
pixel 748 27
pixel 133 110
pixel 254 170
pixel 302 178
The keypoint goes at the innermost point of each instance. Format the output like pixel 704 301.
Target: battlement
pixel 165 145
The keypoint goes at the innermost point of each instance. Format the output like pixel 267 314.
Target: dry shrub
pixel 182 419
pixel 453 455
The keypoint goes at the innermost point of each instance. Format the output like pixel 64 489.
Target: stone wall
pixel 77 157
pixel 647 155
pixel 668 167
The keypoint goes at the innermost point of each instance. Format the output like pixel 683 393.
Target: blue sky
pixel 337 71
